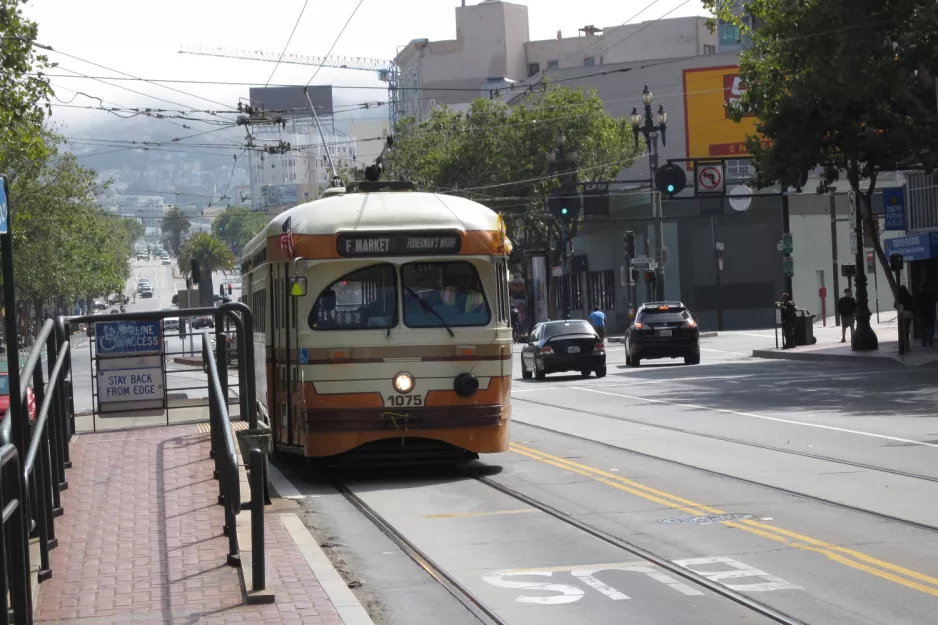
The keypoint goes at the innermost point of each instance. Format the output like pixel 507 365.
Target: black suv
pixel 662 330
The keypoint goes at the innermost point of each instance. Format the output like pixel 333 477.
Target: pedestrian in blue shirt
pixel 598 320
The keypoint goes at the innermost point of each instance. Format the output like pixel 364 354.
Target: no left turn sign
pixel 710 179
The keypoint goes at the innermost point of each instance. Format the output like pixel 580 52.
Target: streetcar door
pixel 279 353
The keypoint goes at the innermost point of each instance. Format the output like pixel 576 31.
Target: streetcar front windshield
pixel 451 294
pixel 364 299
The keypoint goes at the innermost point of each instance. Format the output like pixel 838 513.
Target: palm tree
pixel 174 225
pixel 212 255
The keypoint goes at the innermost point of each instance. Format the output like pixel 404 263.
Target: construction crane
pixel 387 70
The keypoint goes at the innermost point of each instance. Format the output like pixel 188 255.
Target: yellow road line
pixel 833 552
pixel 454 515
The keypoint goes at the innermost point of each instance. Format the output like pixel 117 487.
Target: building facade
pixel 493 48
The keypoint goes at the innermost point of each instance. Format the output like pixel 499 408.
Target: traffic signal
pixel 896 262
pixel 670 179
pixel 564 203
pixel 221 290
pixel 650 276
pixel 633 275
pixel 630 244
pixel 229 290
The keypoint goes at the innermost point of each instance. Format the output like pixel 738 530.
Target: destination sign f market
pixel 399 243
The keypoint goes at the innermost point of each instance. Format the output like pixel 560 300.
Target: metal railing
pixel 31 483
pixel 33 493
pixel 14 544
pixel 226 465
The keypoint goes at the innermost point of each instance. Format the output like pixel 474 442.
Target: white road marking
pixel 723 351
pixel 568 594
pixel 716 569
pixel 737 570
pixel 758 416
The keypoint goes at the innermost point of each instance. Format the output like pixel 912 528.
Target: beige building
pixel 493 50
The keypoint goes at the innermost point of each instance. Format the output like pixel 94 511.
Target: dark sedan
pixel 556 346
pixel 662 330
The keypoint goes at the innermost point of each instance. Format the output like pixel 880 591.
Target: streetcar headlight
pixel 403 383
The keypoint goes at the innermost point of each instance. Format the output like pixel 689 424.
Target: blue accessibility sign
pixel 894 208
pixel 304 356
pixel 119 338
pixel 4 222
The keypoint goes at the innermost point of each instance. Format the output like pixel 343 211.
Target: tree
pixel 239 224
pixel 174 225
pixel 497 155
pixel 211 253
pixel 134 230
pixel 844 85
pixel 23 91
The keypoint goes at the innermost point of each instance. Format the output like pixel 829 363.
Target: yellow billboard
pixel 708 91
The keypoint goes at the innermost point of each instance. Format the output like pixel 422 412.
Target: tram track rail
pixel 841 461
pixel 459 591
pixel 478 608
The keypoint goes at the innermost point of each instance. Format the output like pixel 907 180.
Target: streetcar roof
pixel 380 212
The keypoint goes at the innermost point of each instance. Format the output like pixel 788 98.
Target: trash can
pixel 804 328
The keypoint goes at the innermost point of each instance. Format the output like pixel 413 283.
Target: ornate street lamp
pixel 646 125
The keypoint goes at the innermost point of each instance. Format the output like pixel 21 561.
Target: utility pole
pixel 833 210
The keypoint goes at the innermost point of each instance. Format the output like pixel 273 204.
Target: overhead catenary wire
pixel 339 36
pixel 287 45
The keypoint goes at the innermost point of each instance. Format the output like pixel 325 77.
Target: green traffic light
pixel 670 188
pixel 563 211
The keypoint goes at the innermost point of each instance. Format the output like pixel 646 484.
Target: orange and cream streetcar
pixel 383 317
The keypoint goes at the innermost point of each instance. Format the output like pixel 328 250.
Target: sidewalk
pixel 141 541
pixel 829 348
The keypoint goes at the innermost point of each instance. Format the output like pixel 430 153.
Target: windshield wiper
pixel 430 309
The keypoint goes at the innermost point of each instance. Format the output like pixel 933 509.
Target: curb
pixel 346 604
pixel 771 354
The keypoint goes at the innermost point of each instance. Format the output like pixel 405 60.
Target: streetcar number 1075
pixel 405 400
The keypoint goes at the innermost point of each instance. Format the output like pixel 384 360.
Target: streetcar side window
pixel 364 299
pixel 448 290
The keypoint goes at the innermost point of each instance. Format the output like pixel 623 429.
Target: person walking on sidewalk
pixel 906 307
pixel 847 308
pixel 787 308
pixel 925 307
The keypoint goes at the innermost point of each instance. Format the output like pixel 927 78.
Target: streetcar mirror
pixel 298 287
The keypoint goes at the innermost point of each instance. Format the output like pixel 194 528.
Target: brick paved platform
pixel 141 541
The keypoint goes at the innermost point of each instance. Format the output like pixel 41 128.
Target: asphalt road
pixel 186 386
pixel 666 494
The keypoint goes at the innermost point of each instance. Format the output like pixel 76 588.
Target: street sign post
pixel 709 178
pixel 788 265
pixel 787 243
pixel 641 261
pixel 739 198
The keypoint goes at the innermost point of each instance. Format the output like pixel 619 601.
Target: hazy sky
pixel 143 39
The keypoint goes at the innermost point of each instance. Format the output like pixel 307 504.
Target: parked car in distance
pixel 556 346
pixel 146 292
pixel 141 255
pixel 5 397
pixel 662 330
pixel 171 323
pixel 202 322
